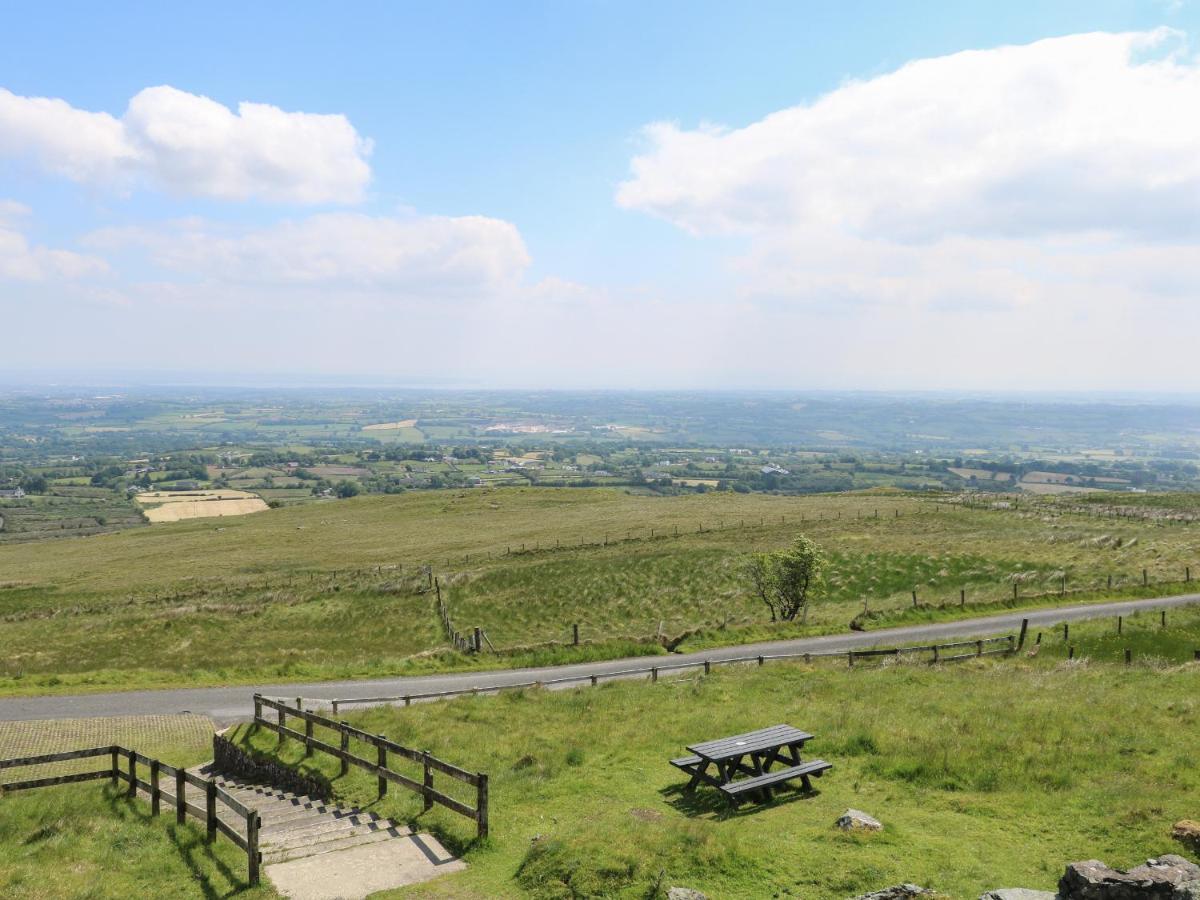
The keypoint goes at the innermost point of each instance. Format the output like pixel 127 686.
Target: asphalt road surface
pixel 230 704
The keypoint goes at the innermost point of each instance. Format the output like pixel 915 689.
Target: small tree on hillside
pixel 785 579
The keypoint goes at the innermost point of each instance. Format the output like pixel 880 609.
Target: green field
pixel 337 590
pixel 985 774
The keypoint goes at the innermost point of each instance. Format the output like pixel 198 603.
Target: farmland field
pixel 339 589
pixel 175 506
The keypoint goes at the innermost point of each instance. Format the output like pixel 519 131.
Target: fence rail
pixel 379 766
pixel 1009 645
pixel 246 839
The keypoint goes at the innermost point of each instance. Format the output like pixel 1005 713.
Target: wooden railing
pixel 1008 644
pixel 156 770
pixel 379 765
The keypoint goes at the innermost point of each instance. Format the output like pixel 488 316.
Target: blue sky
pixel 532 116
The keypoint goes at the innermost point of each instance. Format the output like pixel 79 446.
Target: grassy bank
pixel 336 591
pixel 987 774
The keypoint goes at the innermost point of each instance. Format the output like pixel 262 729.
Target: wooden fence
pixel 156 770
pixel 1007 645
pixel 379 765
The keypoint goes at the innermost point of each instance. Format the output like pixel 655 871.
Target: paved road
pixel 230 704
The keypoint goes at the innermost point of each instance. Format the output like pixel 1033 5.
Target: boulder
pixel 1018 894
pixel 857 820
pixel 684 893
pixel 1187 832
pixel 897 892
pixel 1168 877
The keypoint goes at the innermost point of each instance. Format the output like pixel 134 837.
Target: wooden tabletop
pixel 750 742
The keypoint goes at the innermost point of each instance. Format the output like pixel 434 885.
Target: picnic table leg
pixel 756 760
pixel 698 775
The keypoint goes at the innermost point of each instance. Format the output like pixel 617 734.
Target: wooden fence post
pixel 481 806
pixel 282 722
pixel 1066 631
pixel 575 634
pixel 760 659
pixel 1071 652
pixel 1024 628
pixel 962 597
pixel 1110 582
pixel 345 746
pixel 914 593
pixel 180 801
pixel 258 716
pixel 381 760
pixel 1145 578
pixel 850 658
pixel 210 809
pixel 253 826
pixel 478 639
pixel 1014 591
pixel 308 736
pixel 707 667
pixel 979 648
pixel 116 767
pixel 1128 657
pixel 154 792
pixel 427 781
pixel 132 774
pixel 935 653
pixel 1163 614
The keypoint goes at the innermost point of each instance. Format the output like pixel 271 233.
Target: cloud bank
pixel 1080 134
pixel 188 144
pixel 428 255
pixel 22 261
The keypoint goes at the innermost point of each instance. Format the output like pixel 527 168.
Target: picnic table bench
pixel 752 754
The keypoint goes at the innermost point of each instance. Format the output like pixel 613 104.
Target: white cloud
pixel 418 255
pixel 22 261
pixel 1091 132
pixel 190 144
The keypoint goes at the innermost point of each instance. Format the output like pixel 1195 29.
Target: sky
pixel 787 195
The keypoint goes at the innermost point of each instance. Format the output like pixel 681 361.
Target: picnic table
pixel 752 754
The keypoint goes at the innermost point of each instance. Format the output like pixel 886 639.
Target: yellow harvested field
pixel 1040 487
pixel 981 474
pixel 174 506
pixel 391 426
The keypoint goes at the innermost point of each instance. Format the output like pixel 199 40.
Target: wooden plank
pixel 453 771
pixel 55 757
pixel 239 808
pixel 226 829
pixel 57 779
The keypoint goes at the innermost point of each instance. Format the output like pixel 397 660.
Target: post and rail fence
pixel 1004 645
pixel 122 765
pixel 379 766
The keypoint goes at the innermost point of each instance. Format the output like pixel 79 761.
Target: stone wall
pixel 231 759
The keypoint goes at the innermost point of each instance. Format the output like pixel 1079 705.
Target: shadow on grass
pixel 191 846
pixel 707 802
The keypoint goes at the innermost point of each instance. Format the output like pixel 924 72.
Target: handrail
pixel 379 766
pixel 706 664
pixel 250 820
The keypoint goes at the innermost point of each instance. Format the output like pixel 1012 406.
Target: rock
pixel 1018 894
pixel 897 892
pixel 683 893
pixel 1187 832
pixel 1169 877
pixel 857 820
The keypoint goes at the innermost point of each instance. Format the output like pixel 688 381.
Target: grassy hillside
pixel 987 774
pixel 336 589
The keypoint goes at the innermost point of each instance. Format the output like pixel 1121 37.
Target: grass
pixel 986 774
pixel 89 840
pixel 334 590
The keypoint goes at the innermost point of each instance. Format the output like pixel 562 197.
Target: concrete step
pixel 316 832
pixel 283 854
pixel 273 824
